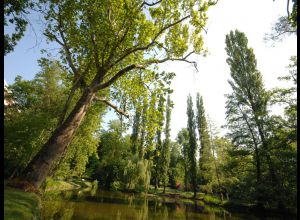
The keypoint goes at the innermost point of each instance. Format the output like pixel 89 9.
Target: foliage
pixel 176 169
pixel 192 144
pixel 33 117
pixel 165 150
pixel 247 105
pixel 113 154
pixel 285 25
pixel 15 15
pixel 183 141
pixel 102 41
pixel 157 164
pixel 137 174
pixel 205 158
pixel 294 14
pixel 280 30
pixel 257 135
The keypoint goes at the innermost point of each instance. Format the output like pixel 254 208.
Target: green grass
pixel 212 200
pixel 20 205
pixel 58 185
pixel 181 194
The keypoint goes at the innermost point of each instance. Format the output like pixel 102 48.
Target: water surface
pixel 80 205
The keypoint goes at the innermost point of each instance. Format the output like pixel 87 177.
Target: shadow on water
pixel 95 204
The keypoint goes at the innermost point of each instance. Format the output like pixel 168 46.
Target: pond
pixel 79 205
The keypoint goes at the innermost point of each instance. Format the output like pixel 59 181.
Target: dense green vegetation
pixel 54 131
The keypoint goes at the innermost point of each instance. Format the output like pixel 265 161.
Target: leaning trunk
pixel 39 167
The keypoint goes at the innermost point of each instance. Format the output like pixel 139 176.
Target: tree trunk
pixel 267 152
pixel 185 179
pixel 39 167
pixel 258 170
pixel 14 173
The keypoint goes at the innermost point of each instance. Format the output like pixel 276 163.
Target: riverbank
pixel 61 185
pixel 25 205
pixel 230 205
pixel 21 205
pixel 178 195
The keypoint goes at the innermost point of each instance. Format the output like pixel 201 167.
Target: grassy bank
pixel 60 185
pixel 20 205
pixel 215 201
pixel 23 205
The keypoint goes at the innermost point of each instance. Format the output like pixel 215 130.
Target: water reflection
pixel 117 205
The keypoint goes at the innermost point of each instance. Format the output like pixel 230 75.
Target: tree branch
pixel 172 59
pixel 150 4
pixel 117 75
pixel 67 50
pixel 75 86
pixel 287 8
pixel 118 42
pixel 120 111
pixel 133 50
pixel 96 56
pixel 143 66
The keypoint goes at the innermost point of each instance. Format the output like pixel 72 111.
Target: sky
pixel 253 17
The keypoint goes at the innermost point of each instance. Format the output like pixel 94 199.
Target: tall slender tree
pixel 192 144
pixel 205 158
pixel 135 130
pixel 249 95
pixel 165 151
pixel 157 152
pixel 183 140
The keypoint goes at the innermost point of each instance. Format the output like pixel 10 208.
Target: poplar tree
pixel 135 131
pixel 157 152
pixel 205 159
pixel 165 151
pixel 192 144
pixel 247 104
pixel 183 140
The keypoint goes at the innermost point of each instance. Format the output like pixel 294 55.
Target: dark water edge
pixel 78 204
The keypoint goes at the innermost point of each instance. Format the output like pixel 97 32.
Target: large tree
pixel 247 106
pixel 103 40
pixel 192 144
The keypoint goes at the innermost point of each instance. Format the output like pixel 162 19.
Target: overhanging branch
pixel 104 100
pixel 143 66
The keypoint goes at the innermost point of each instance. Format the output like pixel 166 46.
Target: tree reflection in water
pixel 117 205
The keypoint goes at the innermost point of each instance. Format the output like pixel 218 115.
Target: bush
pixel 116 185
